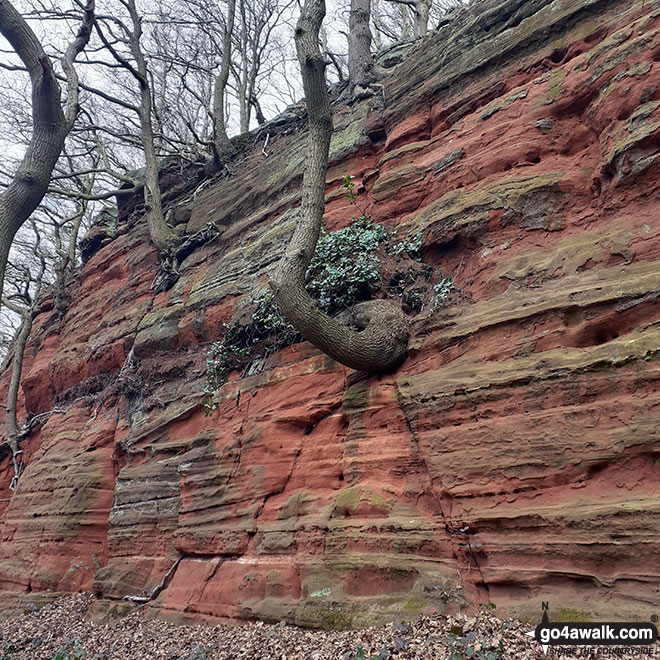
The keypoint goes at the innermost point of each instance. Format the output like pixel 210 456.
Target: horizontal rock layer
pixel 512 459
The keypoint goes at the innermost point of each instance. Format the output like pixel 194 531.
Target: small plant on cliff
pixel 442 289
pixel 350 265
pixel 410 246
pixel 268 331
pixel 216 374
pixel 349 187
pixel 345 268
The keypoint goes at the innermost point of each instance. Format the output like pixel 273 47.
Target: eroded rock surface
pixel 512 459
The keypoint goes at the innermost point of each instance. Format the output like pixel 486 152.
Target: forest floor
pixel 62 631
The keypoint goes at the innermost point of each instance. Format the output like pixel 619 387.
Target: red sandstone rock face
pixel 512 459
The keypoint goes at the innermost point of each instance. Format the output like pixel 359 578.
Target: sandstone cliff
pixel 512 459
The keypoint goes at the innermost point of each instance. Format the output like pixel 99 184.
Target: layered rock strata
pixel 512 459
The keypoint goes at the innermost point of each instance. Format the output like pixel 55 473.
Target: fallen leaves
pixel 63 628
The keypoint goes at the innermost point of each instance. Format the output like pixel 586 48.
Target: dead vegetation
pixel 62 628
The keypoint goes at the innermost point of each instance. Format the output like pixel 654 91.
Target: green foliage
pixel 442 289
pixel 7 649
pixel 410 246
pixel 268 327
pixel 349 187
pixel 345 268
pixel 217 370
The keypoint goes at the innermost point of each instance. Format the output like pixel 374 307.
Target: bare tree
pixel 420 9
pixel 223 146
pixel 406 23
pixel 378 24
pixel 23 302
pixel 257 50
pixel 162 235
pixel 336 59
pixel 66 228
pixel 50 121
pixel 410 18
pixel 360 61
pixel 381 339
pixel 181 46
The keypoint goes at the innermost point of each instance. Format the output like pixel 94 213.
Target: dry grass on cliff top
pixel 60 631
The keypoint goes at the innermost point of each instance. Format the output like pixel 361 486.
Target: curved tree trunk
pixel 382 343
pixel 360 61
pixel 50 122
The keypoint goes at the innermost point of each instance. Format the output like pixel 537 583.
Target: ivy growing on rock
pixel 410 246
pixel 442 290
pixel 346 266
pixel 267 331
pixel 359 262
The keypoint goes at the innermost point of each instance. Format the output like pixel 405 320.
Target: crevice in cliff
pixel 323 415
pixel 458 537
pixel 160 587
pixel 284 485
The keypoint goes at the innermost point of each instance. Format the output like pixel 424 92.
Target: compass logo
pixel 592 634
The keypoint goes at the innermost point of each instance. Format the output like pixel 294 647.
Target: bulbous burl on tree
pixel 380 342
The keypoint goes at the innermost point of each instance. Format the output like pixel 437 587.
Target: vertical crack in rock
pixel 269 496
pixel 459 539
pixel 160 587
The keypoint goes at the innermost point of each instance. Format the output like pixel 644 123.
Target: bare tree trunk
pixel 11 423
pixel 243 105
pixel 160 103
pixel 27 315
pixel 360 62
pixel 251 91
pixel 334 59
pixel 382 343
pixel 406 28
pixel 66 257
pixel 50 122
pixel 258 112
pixel 162 235
pixel 223 146
pixel 422 8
